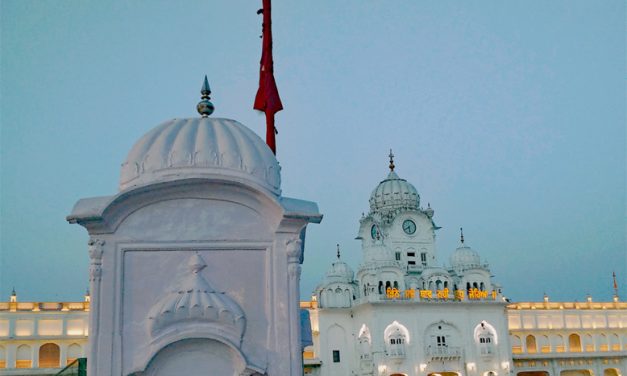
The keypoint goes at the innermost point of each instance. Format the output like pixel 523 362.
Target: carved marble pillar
pixel 96 250
pixel 294 253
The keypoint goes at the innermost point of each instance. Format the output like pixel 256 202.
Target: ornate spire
pixel 205 107
pixel 391 161
pixel 338 251
pixel 461 231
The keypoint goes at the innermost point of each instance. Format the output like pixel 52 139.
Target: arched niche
pixel 194 357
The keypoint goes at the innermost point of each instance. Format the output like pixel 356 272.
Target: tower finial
pixel 615 284
pixel 338 251
pixel 205 107
pixel 391 160
pixel 461 231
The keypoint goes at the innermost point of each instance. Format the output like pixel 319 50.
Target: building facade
pixel 403 313
pixel 40 338
pixel 568 339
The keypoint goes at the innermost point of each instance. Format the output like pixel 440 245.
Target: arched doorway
pixel 533 373
pixel 574 343
pixel 195 357
pixel 576 372
pixel 531 344
pixel 611 372
pixel 49 356
pixel 443 373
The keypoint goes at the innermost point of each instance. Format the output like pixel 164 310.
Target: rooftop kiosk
pixel 196 261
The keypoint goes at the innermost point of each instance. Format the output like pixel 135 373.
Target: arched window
pixel 327 299
pixel 395 284
pixel 516 345
pixel 474 285
pixel 468 286
pixel 3 357
pixel 588 342
pixel 364 343
pixel 574 343
pixel 531 344
pixel 395 336
pixel 614 342
pixel 482 286
pixel 603 343
pixel 485 338
pixel 380 287
pixel 23 357
pixel 445 284
pixel 559 344
pixel 49 356
pixel 438 285
pixel 73 352
pixel 545 345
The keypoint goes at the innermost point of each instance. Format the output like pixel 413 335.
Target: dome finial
pixel 391 160
pixel 205 107
pixel 461 230
pixel 338 251
pixel 196 263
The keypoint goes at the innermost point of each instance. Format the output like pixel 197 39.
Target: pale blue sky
pixel 507 116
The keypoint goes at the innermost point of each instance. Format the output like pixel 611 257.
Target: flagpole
pixel 267 98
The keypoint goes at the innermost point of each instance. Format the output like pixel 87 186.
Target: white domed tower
pixel 195 262
pixel 338 289
pixel 469 273
pixel 411 314
pixel 397 235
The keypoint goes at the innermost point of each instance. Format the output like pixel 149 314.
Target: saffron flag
pixel 614 278
pixel 267 98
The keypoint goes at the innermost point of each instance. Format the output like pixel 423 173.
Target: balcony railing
pixel 443 352
pixel 396 353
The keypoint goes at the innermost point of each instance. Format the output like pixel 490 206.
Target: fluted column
pixel 95 274
pixel 294 253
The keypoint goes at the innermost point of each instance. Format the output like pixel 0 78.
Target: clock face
pixel 409 227
pixel 374 231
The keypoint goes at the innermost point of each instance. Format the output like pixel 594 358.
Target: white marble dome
pixel 465 257
pixel 339 272
pixel 201 147
pixel 394 193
